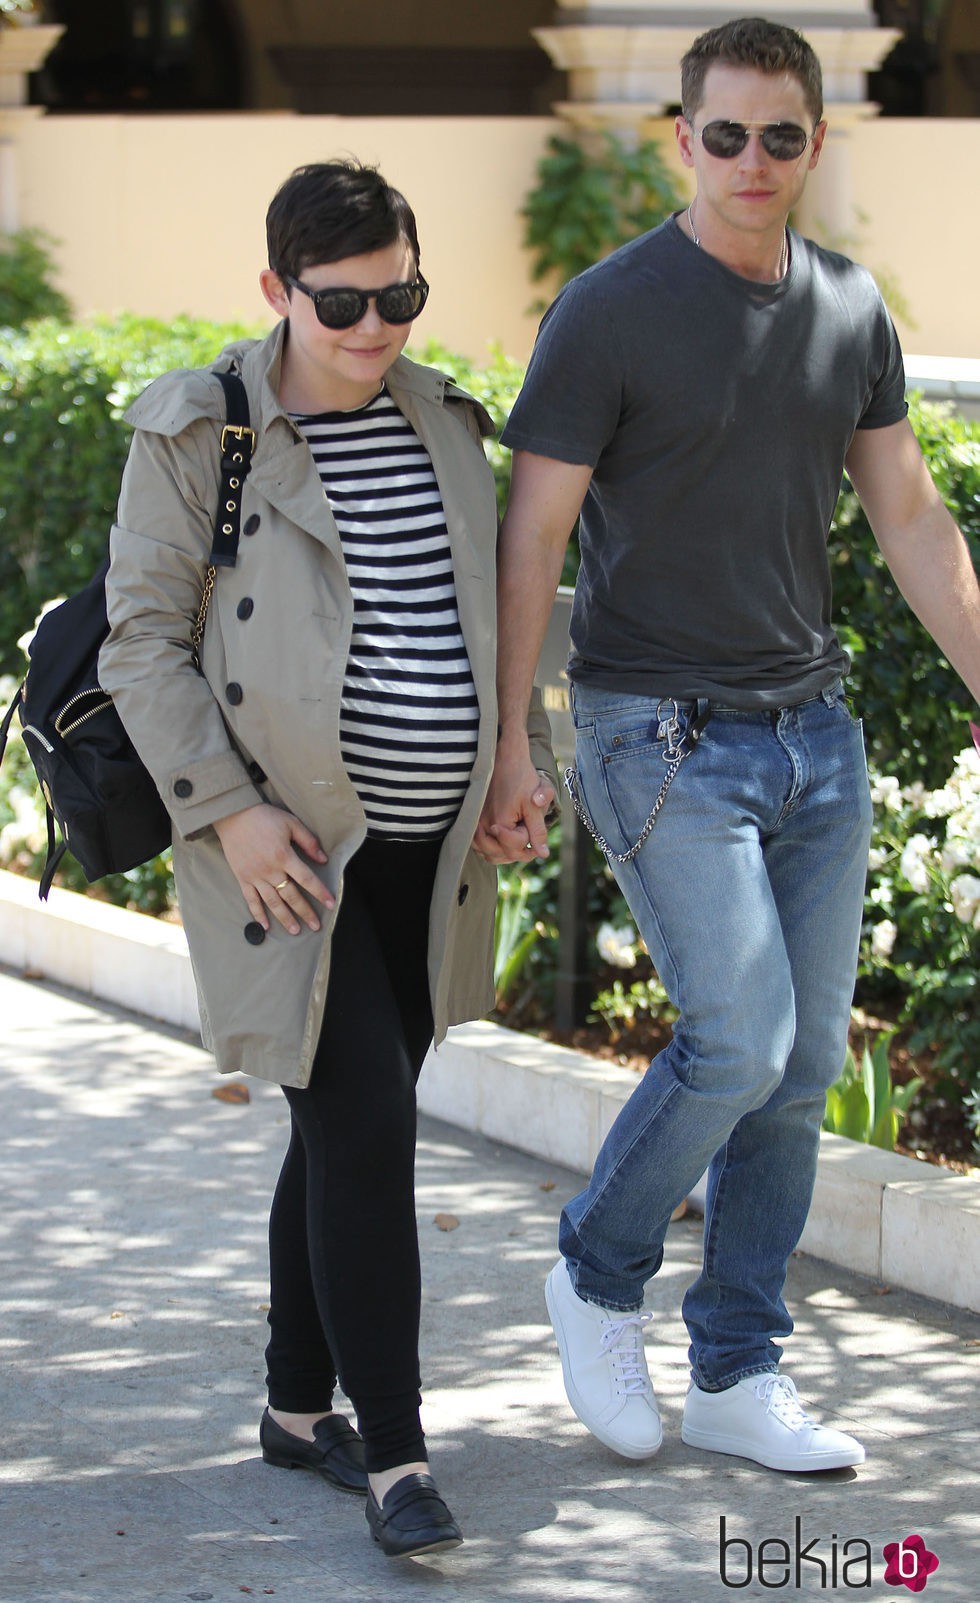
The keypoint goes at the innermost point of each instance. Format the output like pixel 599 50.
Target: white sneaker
pixel 605 1368
pixel 762 1418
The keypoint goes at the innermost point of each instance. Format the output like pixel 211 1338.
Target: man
pixel 696 395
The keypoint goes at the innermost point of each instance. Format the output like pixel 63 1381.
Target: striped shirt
pixel 409 712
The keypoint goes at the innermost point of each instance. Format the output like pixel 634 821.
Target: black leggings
pixel 343 1243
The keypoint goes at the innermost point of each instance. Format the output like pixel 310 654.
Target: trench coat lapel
pixel 287 478
pixel 284 472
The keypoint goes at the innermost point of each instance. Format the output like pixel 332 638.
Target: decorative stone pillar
pixel 24 47
pixel 623 62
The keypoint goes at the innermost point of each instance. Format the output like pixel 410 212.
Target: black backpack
pixel 94 784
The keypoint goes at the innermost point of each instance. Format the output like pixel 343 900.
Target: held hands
pixel 512 827
pixel 259 843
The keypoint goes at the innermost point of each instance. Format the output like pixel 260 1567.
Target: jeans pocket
pixel 625 767
pixel 646 729
pixel 842 704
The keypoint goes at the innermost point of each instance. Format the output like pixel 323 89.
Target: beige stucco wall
pixel 165 214
pixel 908 187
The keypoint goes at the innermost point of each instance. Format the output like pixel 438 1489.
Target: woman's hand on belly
pixel 260 844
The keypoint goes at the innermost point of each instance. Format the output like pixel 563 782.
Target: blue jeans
pixel 748 893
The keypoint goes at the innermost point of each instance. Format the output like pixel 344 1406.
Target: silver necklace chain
pixel 783 254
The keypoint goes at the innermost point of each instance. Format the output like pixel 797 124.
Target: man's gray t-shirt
pixel 716 414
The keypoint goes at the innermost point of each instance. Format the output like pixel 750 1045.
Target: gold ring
pixel 282 884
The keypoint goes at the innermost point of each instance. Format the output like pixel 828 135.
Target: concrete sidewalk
pixel 132 1295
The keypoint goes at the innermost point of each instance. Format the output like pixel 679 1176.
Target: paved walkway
pixel 132 1290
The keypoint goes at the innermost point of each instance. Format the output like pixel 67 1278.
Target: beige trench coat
pixel 261 719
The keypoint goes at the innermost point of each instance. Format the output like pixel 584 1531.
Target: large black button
pixel 234 694
pixel 254 934
pixel 183 788
pixel 257 773
pixel 464 891
pixel 245 607
pixel 251 524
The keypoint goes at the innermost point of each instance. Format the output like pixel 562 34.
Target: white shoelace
pixel 623 1342
pixel 778 1392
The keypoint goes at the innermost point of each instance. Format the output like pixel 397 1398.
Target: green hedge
pixel 914 706
pixel 26 290
pixel 63 389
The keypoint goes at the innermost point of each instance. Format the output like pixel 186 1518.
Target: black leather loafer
pixel 411 1518
pixel 337 1454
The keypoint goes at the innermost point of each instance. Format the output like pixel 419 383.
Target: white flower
pixel 883 939
pixel 617 947
pixel 915 795
pixel 881 895
pixel 940 803
pixel 877 858
pixel 965 895
pixel 918 848
pixel 885 792
pixel 961 792
pixel 958 854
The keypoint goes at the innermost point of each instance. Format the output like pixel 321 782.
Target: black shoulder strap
pixel 237 445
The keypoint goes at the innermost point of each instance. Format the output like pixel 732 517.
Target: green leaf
pixel 854 1120
pixel 885 1129
pixel 904 1095
pixel 881 1077
pixel 589 198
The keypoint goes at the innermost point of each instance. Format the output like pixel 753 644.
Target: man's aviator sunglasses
pixel 342 308
pixel 783 141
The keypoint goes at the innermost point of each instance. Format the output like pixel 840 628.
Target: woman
pixel 325 770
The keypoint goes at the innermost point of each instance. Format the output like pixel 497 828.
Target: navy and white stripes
pixel 409 713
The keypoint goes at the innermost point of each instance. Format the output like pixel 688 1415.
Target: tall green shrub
pixel 26 290
pixel 63 389
pixel 915 708
pixel 590 196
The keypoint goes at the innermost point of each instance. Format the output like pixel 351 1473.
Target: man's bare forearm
pixel 925 551
pixel 931 565
pixel 528 573
pixel 546 496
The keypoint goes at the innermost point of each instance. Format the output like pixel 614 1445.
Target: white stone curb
pixel 898 1221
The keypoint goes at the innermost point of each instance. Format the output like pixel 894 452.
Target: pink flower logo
pixel 909 1563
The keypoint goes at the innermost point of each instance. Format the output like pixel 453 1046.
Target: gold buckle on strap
pixel 238 432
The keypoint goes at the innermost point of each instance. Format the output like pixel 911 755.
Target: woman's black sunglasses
pixel 342 308
pixel 783 141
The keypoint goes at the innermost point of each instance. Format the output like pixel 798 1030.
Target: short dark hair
pixel 332 209
pixel 751 42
